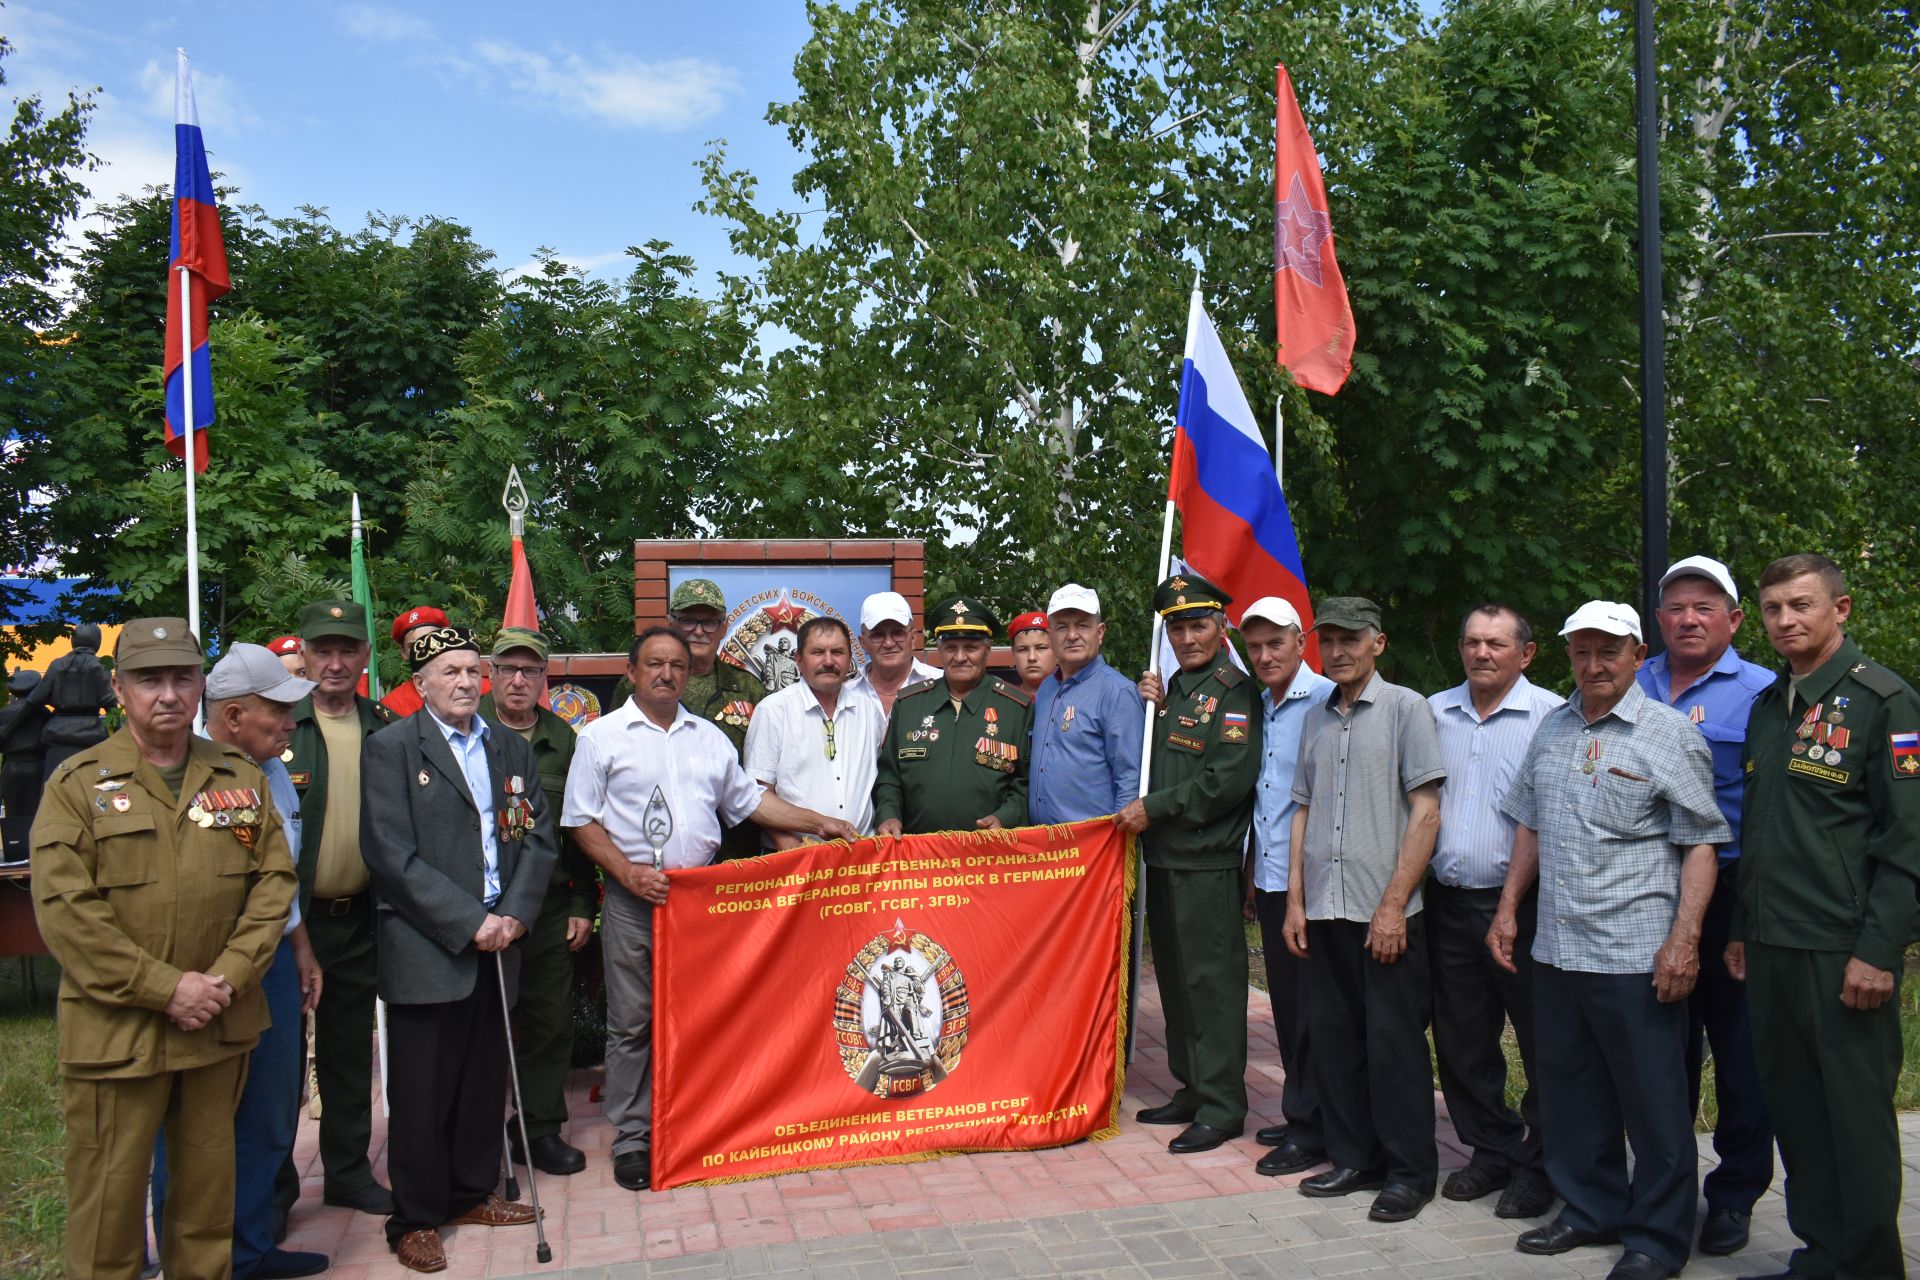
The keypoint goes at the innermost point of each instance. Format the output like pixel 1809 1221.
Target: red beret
pixel 1035 621
pixel 421 616
pixel 284 644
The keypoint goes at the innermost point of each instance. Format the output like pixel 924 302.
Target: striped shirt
pixel 1273 804
pixel 1481 755
pixel 1616 803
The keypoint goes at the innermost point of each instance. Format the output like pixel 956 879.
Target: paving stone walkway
pixel 1122 1208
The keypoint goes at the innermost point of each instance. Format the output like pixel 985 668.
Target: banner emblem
pixel 900 1015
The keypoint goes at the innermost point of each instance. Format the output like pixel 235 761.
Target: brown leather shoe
pixel 495 1212
pixel 421 1251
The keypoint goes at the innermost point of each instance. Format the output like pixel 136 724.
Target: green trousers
pixel 1829 1074
pixel 1200 963
pixel 543 1017
pixel 343 1046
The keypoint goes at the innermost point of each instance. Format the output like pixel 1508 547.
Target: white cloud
pixel 376 23
pixel 223 108
pixel 582 264
pixel 626 92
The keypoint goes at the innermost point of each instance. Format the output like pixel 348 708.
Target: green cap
pixel 1349 613
pixel 696 593
pixel 156 642
pixel 959 617
pixel 1186 594
pixel 508 638
pixel 341 618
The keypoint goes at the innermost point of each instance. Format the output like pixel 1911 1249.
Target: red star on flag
pixel 786 615
pixel 1299 230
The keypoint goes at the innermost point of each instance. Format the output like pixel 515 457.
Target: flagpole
pixel 192 441
pixel 1279 467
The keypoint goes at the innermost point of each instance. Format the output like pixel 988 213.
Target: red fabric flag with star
pixel 1309 294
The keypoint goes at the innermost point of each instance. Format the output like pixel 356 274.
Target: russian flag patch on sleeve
pixel 1906 754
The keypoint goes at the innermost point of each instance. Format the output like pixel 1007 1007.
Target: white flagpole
pixel 186 388
pixel 1279 468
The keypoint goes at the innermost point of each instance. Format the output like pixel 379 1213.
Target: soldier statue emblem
pixel 900 1014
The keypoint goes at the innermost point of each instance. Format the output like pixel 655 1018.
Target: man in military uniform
pixel 1830 858
pixel 716 691
pixel 543 1013
pixel 1193 826
pixel 161 880
pixel 323 760
pixel 955 754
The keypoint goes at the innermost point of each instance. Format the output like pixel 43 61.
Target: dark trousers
pixel 1829 1074
pixel 447 1088
pixel 1369 1026
pixel 543 1017
pixel 1287 993
pixel 1200 963
pixel 1473 999
pixel 343 1039
pixel 1717 1016
pixel 1612 1057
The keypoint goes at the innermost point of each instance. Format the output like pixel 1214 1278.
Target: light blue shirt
pixel 1087 734
pixel 470 750
pixel 1273 802
pixel 286 802
pixel 1482 756
pixel 1718 704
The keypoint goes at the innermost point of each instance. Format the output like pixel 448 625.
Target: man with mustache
pixel 814 743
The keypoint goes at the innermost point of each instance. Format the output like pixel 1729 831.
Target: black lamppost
pixel 1653 349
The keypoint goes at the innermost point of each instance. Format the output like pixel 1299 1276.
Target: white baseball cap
pixel 1610 616
pixel 885 606
pixel 1074 596
pixel 1701 567
pixel 1274 610
pixel 253 668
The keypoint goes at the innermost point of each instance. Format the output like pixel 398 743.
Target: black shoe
pixel 372 1198
pixel 1398 1202
pixel 1640 1266
pixel 1273 1135
pixel 1287 1158
pixel 1342 1182
pixel 1528 1196
pixel 1198 1137
pixel 634 1170
pixel 1474 1181
pixel 551 1154
pixel 284 1264
pixel 1724 1232
pixel 1559 1236
pixel 1165 1113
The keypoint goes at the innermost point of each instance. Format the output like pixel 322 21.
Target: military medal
pixel 286 757
pixel 1834 717
pixel 1816 752
pixel 122 803
pixel 1799 748
pixel 1067 718
pixel 1592 764
pixel 1697 713
pixel 425 777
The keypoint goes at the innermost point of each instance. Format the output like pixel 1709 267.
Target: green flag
pixel 363 596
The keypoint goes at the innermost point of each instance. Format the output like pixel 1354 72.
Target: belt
pixel 339 906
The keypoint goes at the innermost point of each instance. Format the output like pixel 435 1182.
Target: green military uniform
pixel 1204 764
pixel 944 767
pixel 543 1012
pixel 134 885
pixel 726 696
pixel 1829 864
pixel 341 931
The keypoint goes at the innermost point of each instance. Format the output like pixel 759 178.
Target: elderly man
pixel 1617 824
pixel 651 785
pixel 955 754
pixel 323 759
pixel 543 1013
pixel 1087 720
pixel 1831 856
pixel 1702 675
pixel 1033 656
pixel 815 744
pixel 461 848
pixel 1291 689
pixel 162 884
pixel 717 691
pixel 887 638
pixel 1484 726
pixel 249 700
pixel 1368 785
pixel 1206 755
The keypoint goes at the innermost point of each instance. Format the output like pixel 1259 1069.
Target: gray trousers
pixel 626 940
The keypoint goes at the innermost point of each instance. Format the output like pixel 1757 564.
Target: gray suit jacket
pixel 420 835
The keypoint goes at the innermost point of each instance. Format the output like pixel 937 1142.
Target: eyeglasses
pixel 507 674
pixel 698 624
pixel 830 747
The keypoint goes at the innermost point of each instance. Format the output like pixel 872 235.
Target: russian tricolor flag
pixel 1235 527
pixel 198 248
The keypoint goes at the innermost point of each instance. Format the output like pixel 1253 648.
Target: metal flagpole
pixel 192 441
pixel 1279 467
pixel 1653 354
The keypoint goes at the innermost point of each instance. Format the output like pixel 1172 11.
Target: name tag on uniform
pixel 1181 740
pixel 300 779
pixel 1808 769
pixel 912 753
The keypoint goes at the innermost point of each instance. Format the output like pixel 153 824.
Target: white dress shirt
pixel 863 683
pixel 470 753
pixel 621 757
pixel 787 750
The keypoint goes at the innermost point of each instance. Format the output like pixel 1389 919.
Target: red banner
pixel 888 1000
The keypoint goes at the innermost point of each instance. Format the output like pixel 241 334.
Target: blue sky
pixel 571 125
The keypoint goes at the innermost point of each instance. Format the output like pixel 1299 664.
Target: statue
pixel 76 689
pixel 782 667
pixel 21 724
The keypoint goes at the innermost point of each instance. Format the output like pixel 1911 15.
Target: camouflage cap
pixel 157 642
pixel 697 593
pixel 507 639
pixel 1347 613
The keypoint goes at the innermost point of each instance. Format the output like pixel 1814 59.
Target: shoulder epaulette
pixel 1877 678
pixel 385 713
pixel 920 687
pixel 1012 692
pixel 1230 676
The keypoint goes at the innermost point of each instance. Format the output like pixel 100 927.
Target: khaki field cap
pixel 1610 616
pixel 252 668
pixel 159 642
pixel 507 639
pixel 341 618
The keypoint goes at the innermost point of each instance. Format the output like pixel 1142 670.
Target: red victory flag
pixel 1309 295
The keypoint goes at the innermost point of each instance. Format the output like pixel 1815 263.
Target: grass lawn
pixel 33 1203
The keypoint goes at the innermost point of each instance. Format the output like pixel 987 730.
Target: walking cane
pixel 544 1251
pixel 512 1185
